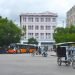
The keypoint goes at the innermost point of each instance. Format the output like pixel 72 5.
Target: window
pixel 42 35
pixel 24 26
pixel 42 19
pixel 36 27
pixel 48 19
pixel 30 19
pixel 48 27
pixel 54 20
pixel 42 27
pixel 24 18
pixel 30 27
pixel 36 35
pixel 48 35
pixel 36 19
pixel 53 27
pixel 30 35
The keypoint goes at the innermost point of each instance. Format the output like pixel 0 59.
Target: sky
pixel 13 8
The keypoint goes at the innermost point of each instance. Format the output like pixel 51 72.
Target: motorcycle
pixel 44 54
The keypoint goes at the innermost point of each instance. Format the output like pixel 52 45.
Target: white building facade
pixel 40 26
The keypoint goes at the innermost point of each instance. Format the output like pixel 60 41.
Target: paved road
pixel 25 64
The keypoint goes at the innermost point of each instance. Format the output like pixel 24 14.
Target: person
pixel 45 51
pixel 33 53
pixel 45 48
pixel 39 50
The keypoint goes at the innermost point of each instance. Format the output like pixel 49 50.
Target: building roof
pixel 42 13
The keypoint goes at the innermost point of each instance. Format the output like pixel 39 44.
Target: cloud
pixel 13 8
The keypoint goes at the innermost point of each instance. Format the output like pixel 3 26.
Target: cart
pixel 61 56
pixel 66 54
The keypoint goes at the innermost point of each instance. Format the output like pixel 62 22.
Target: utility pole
pixel 63 23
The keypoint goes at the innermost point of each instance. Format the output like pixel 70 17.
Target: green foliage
pixel 9 32
pixel 64 34
pixel 32 41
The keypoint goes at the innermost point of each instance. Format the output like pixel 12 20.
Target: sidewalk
pixel 52 53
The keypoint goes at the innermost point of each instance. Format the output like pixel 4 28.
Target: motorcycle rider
pixel 45 51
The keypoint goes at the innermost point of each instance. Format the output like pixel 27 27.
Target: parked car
pixel 11 51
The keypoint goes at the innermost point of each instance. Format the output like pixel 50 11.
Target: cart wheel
pixel 68 63
pixel 73 64
pixel 59 61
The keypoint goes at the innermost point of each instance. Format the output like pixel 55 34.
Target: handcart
pixel 61 56
pixel 66 53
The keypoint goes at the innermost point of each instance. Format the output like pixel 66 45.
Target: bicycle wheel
pixel 73 64
pixel 68 63
pixel 59 61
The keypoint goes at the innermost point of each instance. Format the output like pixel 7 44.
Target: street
pixel 26 64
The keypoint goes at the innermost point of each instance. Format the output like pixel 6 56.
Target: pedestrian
pixel 39 49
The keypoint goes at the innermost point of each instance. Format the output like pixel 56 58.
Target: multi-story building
pixel 40 26
pixel 71 17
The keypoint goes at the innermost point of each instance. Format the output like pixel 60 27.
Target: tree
pixel 9 32
pixel 65 34
pixel 32 41
pixel 24 31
